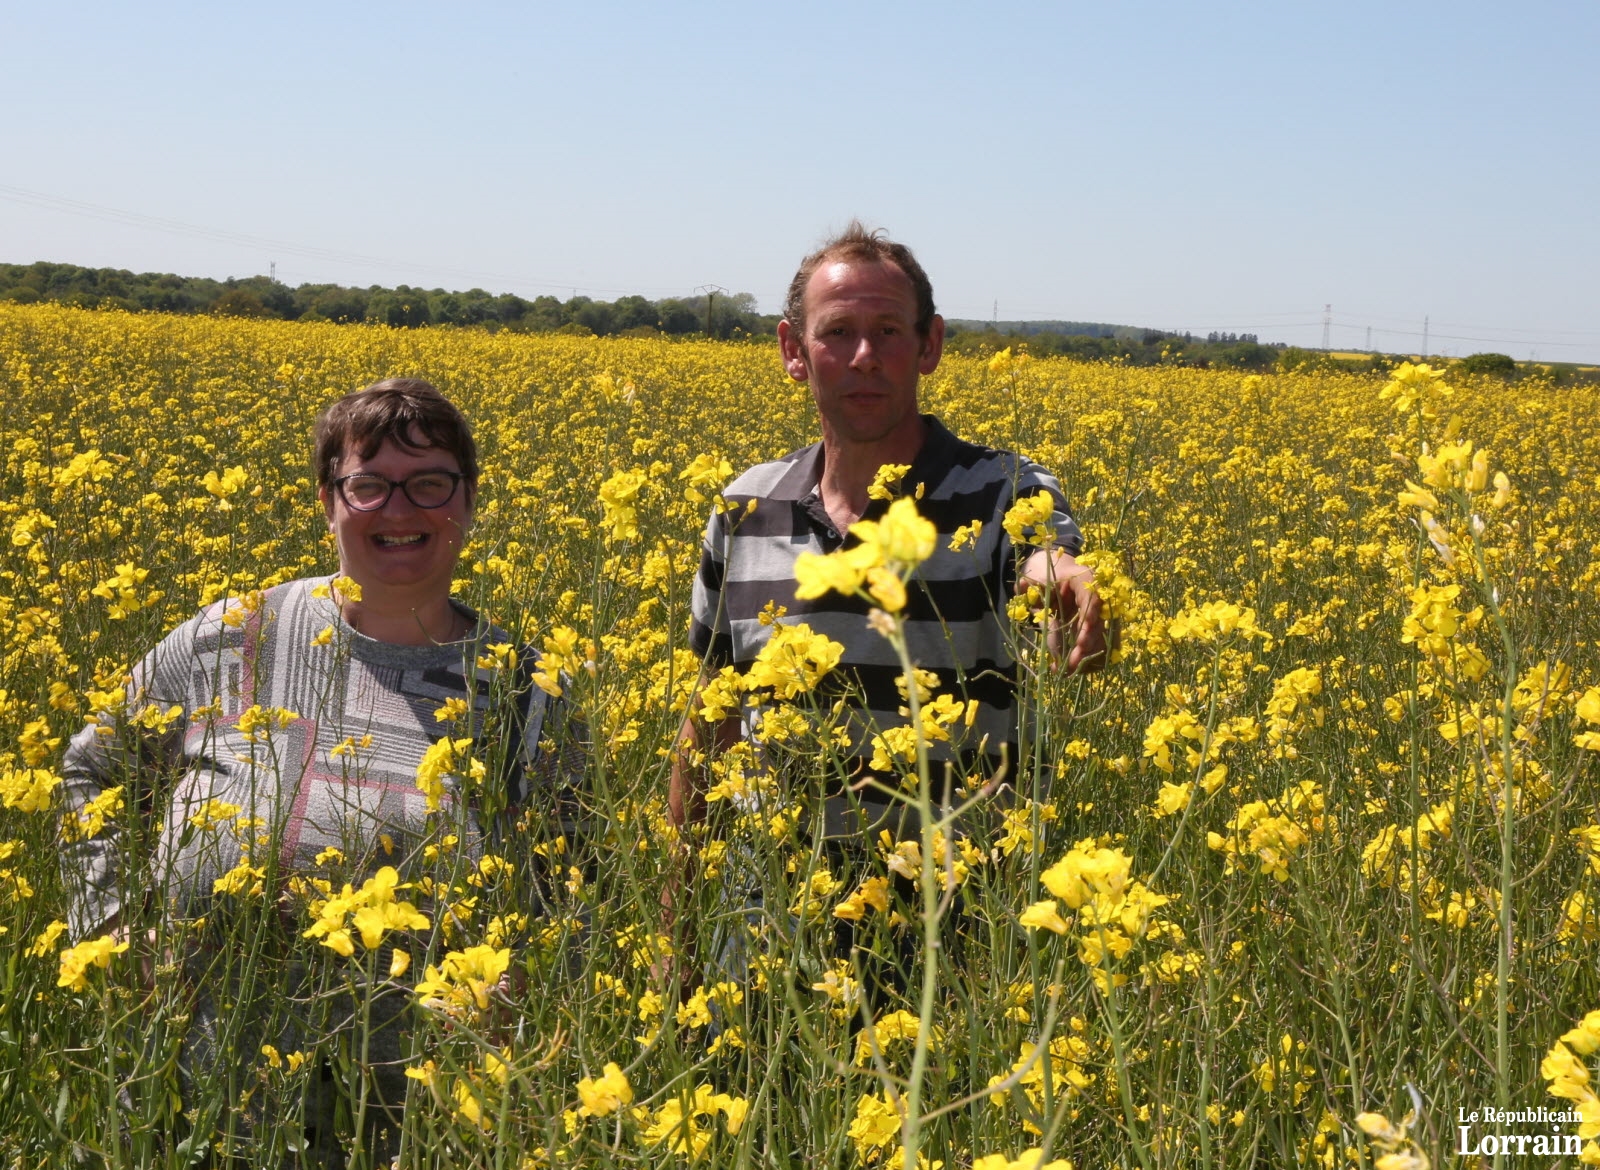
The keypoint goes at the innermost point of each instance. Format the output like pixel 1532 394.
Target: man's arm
pixel 685 797
pixel 1078 638
pixel 686 806
pixel 710 639
pixel 697 741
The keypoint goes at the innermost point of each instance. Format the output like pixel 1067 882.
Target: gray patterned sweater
pixel 347 720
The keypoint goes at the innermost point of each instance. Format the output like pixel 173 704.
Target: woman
pixel 295 721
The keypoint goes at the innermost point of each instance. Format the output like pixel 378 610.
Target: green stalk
pixel 1199 770
pixel 113 1141
pixel 911 1128
pixel 362 1074
pixel 1202 1113
pixel 1507 828
pixel 1414 762
pixel 1119 1055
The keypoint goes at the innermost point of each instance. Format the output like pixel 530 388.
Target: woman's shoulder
pixel 254 608
pixel 232 621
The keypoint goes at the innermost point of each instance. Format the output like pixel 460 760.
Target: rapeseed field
pixel 1310 870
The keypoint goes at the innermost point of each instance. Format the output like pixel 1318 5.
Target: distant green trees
pixel 1499 364
pixel 723 315
pixel 1090 341
pixel 403 307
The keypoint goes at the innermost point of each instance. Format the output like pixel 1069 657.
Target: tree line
pixel 1135 346
pixel 1128 344
pixel 719 315
pixel 722 315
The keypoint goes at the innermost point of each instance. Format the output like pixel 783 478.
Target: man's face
pixel 861 353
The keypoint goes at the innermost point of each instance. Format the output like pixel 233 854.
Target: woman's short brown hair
pixel 400 409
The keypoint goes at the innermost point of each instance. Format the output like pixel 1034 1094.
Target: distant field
pixel 1258 879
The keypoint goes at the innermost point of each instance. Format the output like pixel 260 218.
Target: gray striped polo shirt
pixel 956 622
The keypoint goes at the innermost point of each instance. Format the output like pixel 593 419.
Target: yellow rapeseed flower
pixel 605 1094
pixel 76 962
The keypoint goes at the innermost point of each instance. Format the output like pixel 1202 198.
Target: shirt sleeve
pixel 113 752
pixel 1031 479
pixel 710 633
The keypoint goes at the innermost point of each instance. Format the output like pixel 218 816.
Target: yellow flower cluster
pixel 875 1123
pixel 1273 831
pixel 373 911
pixel 677 1127
pixel 76 962
pixel 1067 1064
pixel 1027 1160
pixel 1113 910
pixel 605 1094
pixel 889 550
pixel 27 789
pixel 462 983
pixel 1569 1080
pixel 1397 1150
pixel 444 758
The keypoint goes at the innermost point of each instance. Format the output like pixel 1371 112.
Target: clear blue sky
pixel 1178 165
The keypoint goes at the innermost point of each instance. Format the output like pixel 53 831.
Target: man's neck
pixel 848 469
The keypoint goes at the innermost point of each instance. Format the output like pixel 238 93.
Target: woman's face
pixel 399 548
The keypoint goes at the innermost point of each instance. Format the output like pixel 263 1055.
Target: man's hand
pixel 1079 638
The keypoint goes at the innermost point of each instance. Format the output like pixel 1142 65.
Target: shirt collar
pixel 800 481
pixel 933 458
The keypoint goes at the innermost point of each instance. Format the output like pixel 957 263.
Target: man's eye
pixel 428 483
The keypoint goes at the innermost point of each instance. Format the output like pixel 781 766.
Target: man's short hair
pixel 858 244
pixel 403 410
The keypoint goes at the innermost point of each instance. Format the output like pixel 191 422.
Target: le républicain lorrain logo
pixel 1540 1132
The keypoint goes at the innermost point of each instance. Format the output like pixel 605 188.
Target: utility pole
pixel 1424 337
pixel 1369 338
pixel 995 320
pixel 272 271
pixel 710 291
pixel 1327 325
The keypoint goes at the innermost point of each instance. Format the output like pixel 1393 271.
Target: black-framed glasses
pixel 366 492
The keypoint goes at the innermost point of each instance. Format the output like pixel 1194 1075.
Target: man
pixel 860 330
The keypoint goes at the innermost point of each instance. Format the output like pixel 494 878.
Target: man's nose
pixel 865 356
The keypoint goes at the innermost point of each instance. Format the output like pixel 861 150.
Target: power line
pixel 1262 324
pixel 78 207
pixel 1265 320
pixel 1431 333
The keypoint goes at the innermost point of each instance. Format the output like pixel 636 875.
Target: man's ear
pixel 326 497
pixel 792 345
pixel 932 347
